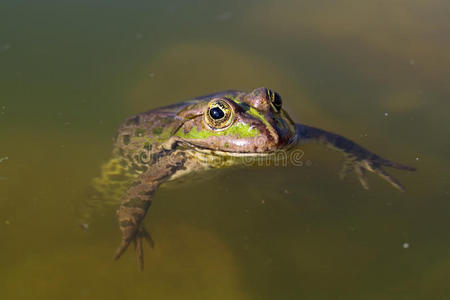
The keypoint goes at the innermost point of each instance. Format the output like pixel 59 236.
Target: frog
pixel 211 132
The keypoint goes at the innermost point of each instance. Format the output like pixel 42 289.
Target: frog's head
pixel 238 123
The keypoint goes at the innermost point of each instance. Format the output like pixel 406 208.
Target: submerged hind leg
pixel 105 191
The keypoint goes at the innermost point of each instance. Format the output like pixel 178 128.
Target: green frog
pixel 210 132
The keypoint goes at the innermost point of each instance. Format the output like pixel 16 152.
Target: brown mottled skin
pixel 167 143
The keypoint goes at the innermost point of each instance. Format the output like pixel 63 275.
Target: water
pixel 376 72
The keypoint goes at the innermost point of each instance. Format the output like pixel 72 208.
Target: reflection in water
pixel 376 72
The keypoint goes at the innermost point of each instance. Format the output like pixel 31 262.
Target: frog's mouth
pixel 233 153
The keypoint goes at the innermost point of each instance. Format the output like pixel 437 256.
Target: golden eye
pixel 219 114
pixel 275 100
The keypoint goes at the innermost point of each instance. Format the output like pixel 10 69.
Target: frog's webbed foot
pixel 373 163
pixel 136 237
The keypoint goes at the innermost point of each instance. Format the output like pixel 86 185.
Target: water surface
pixel 375 71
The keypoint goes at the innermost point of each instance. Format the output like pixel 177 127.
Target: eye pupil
pixel 216 113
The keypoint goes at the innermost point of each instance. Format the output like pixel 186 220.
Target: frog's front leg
pixel 357 158
pixel 136 201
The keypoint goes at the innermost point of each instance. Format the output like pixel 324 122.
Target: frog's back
pixel 136 142
pixel 146 130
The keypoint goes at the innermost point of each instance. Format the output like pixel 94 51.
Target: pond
pixel 376 72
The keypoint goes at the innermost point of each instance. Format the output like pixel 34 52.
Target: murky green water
pixel 375 71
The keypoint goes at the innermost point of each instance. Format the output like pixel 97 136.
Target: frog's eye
pixel 275 100
pixel 219 114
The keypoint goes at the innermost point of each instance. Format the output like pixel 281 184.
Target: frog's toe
pixel 139 252
pixel 122 248
pixel 142 234
pixel 360 166
pixel 347 165
pixel 377 169
pixel 146 235
pixel 383 174
pixel 352 163
pixel 361 173
pixel 136 238
pixel 395 165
